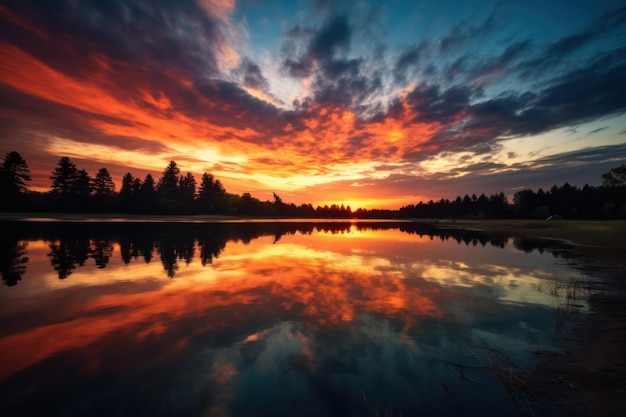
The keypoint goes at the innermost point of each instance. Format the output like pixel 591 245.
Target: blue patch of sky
pixel 266 22
pixel 409 21
pixel 406 23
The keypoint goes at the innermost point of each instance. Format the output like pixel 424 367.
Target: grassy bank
pixel 596 237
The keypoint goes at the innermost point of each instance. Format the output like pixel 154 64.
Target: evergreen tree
pixel 64 177
pixel 168 183
pixel 187 187
pixel 147 188
pixel 136 187
pixel 82 185
pixel 126 192
pixel 103 184
pixel 212 195
pixel 14 174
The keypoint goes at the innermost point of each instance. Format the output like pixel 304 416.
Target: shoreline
pixel 587 378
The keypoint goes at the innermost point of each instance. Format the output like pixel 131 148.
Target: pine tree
pixel 136 187
pixel 168 183
pixel 82 185
pixel 64 177
pixel 212 195
pixel 14 174
pixel 147 188
pixel 187 187
pixel 126 192
pixel 103 184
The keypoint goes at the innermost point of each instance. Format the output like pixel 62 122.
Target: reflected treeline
pixel 73 244
pixel 13 258
pixel 558 248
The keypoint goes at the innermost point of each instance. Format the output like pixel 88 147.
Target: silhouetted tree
pixel 64 177
pixel 498 206
pixel 71 186
pixel 212 195
pixel 168 183
pixel 14 175
pixel 187 187
pixel 146 195
pixel 82 185
pixel 136 187
pixel 147 188
pixel 103 184
pixel 126 192
pixel 248 205
pixel 279 206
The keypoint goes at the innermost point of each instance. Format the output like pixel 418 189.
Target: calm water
pixel 276 319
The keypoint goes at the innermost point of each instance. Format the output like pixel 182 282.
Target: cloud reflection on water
pixel 310 315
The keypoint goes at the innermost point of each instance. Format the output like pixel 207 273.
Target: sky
pixel 374 104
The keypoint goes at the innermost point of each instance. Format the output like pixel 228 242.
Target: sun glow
pixel 396 135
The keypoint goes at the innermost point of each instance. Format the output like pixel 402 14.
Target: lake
pixel 273 318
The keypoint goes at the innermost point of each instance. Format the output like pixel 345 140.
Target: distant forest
pixel 74 190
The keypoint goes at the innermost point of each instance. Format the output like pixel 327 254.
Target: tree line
pixel 74 190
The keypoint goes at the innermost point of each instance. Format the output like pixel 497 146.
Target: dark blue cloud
pixel 555 54
pixel 432 104
pixel 325 48
pixel 252 75
pixel 338 80
pixel 408 58
pixel 580 95
pixel 600 129
pixel 465 32
pixel 153 33
pixel 332 39
pixel 499 66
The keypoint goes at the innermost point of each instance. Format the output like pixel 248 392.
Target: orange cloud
pixel 322 145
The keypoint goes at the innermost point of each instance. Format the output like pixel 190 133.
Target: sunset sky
pixel 368 103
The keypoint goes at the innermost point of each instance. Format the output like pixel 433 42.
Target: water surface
pixel 280 319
